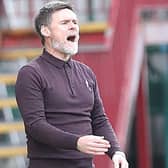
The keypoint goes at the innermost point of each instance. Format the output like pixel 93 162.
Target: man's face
pixel 64 32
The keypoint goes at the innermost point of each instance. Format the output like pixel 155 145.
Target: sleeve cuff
pixel 119 153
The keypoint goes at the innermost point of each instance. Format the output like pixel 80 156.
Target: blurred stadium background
pixel 126 44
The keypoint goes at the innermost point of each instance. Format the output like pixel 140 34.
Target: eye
pixel 64 22
pixel 75 22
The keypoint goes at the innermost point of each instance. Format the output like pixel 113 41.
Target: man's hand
pixel 119 160
pixel 94 145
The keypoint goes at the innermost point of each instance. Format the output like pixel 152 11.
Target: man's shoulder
pixel 32 67
pixel 82 65
pixel 32 64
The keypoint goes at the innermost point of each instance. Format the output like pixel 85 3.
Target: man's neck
pixel 57 54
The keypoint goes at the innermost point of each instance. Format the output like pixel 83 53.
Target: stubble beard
pixel 64 48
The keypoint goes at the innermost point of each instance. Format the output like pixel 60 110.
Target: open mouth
pixel 71 38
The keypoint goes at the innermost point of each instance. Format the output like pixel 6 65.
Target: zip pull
pixel 87 85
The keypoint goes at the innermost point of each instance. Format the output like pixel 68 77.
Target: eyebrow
pixel 69 20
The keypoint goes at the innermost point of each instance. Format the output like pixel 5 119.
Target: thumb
pixel 116 162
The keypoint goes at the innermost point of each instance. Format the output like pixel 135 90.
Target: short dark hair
pixel 45 13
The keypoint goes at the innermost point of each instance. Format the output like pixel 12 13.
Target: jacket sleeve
pixel 100 123
pixel 29 96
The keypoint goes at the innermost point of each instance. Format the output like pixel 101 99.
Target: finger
pixel 100 140
pixel 94 149
pixel 124 164
pixel 99 145
pixel 116 162
pixel 116 165
pixel 99 137
pixel 103 142
pixel 95 152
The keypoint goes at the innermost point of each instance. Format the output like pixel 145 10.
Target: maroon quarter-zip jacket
pixel 59 102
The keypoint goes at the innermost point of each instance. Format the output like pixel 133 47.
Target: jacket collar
pixel 56 61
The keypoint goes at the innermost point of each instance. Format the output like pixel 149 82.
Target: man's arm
pixel 29 96
pixel 102 127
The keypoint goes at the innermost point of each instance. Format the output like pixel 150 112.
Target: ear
pixel 45 31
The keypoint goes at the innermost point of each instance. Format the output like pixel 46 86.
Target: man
pixel 59 100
